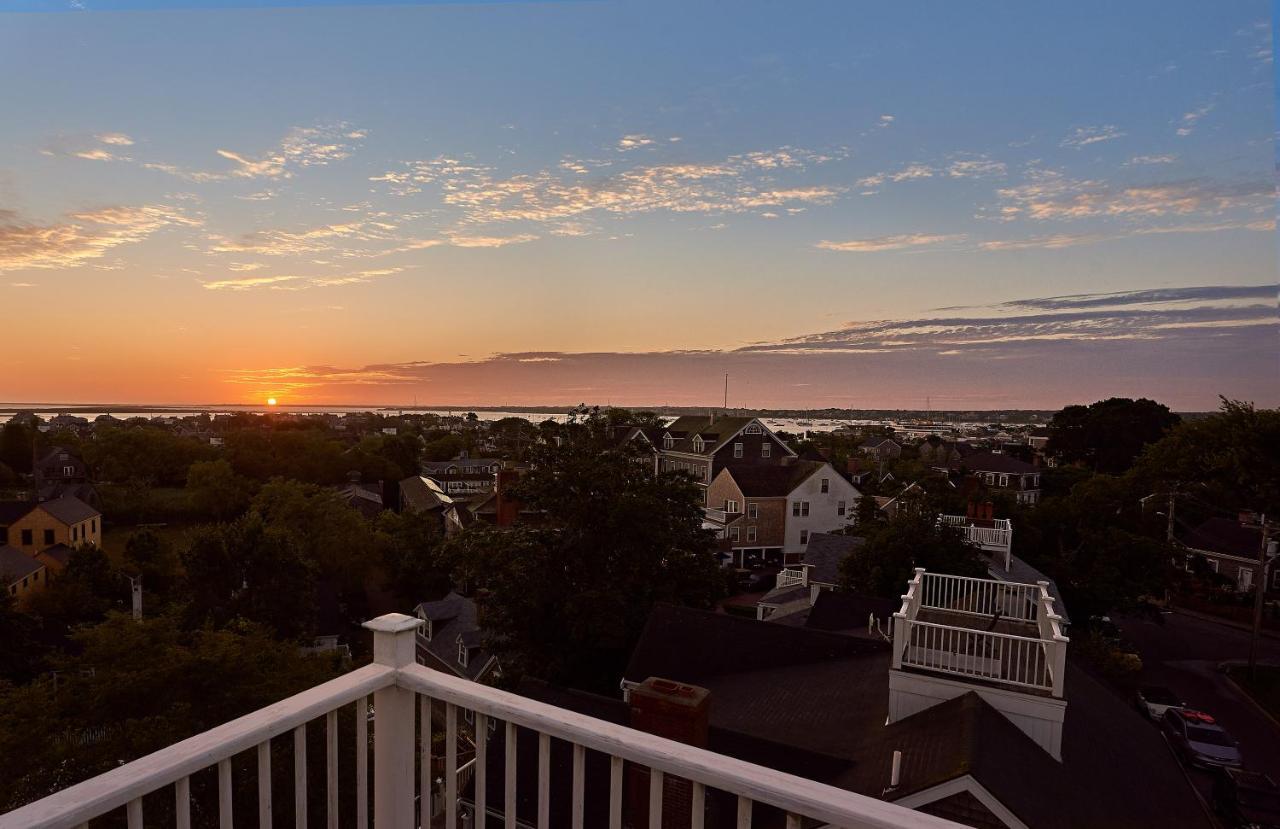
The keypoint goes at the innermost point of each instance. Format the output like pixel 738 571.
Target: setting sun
pixel 271 401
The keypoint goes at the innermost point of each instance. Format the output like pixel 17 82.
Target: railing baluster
pixel 362 763
pixel 264 784
pixel 579 760
pixel 181 803
pixel 615 793
pixel 699 816
pixel 450 765
pixel 300 777
pixel 225 816
pixel 744 812
pixel 544 781
pixel 424 769
pixel 655 799
pixel 482 771
pixel 133 811
pixel 331 764
pixel 509 807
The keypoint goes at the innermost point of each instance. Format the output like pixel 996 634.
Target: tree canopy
pixel 1109 434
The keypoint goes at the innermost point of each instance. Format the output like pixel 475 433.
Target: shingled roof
pixel 773 481
pixel 70 510
pixel 16 565
pixel 1224 536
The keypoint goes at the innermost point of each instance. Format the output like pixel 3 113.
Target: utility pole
pixel 1259 588
pixel 726 393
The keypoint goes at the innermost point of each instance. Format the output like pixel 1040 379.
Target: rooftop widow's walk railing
pixel 408 701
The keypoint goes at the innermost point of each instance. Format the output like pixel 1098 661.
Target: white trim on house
pixel 963 783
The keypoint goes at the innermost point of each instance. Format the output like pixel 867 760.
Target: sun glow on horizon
pixel 271 401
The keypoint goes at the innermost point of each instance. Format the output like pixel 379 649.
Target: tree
pixel 410 544
pixel 884 564
pixel 21 651
pixel 216 491
pixel 136 687
pixel 566 599
pixel 247 570
pixel 82 593
pixel 868 514
pixel 146 454
pixel 148 555
pixel 1231 457
pixel 15 446
pixel 443 448
pixel 323 530
pixel 1109 434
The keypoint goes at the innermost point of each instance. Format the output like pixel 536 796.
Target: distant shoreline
pixel 970 415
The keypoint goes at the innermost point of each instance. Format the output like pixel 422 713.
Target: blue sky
pixel 528 202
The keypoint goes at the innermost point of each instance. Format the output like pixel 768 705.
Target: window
pixel 795 509
pixel 668 441
pixel 93 525
pixel 1244 578
pixel 804 537
pixel 697 443
pixel 753 510
pixel 733 533
pixel 28 538
pixel 74 531
pixel 1213 564
pixel 737 450
pixel 804 507
pixel 751 533
pixel 68 471
pixel 426 630
pixel 730 506
pixel 766 450
pixel 840 508
pixel 826 485
pixel 1004 480
pixel 462 654
pixel 752 429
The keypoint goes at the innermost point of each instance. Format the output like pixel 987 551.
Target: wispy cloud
pixel 296 282
pixel 1048 194
pixel 115 139
pixel 301 147
pixel 1189 120
pixel 887 243
pixel 1082 137
pixel 635 141
pixel 81 237
pixel 1116 340
pixel 1165 158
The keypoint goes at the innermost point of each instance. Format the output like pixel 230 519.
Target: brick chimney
pixel 678 712
pixel 853 465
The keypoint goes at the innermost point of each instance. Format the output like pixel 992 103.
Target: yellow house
pixel 66 520
pixel 20 574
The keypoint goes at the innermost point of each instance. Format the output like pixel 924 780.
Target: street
pixel 1183 654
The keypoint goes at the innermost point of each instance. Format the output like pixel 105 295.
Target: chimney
pixel 853 465
pixel 678 712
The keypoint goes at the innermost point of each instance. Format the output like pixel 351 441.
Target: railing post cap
pixel 919 571
pixel 393 623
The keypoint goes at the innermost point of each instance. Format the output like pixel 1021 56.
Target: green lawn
pixel 1264 687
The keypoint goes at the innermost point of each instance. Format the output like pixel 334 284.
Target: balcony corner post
pixel 394 739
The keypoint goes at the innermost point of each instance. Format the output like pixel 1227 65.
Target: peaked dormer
pixel 699 444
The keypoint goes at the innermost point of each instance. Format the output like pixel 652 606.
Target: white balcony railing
pixel 997 538
pixel 405 695
pixel 797 577
pixel 958 637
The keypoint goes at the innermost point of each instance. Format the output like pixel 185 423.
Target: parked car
pixel 1199 740
pixel 1247 800
pixel 1154 700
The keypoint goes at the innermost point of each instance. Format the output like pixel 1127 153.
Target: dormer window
pixel 753 429
pixel 462 654
pixel 697 443
pixel 668 441
pixel 426 629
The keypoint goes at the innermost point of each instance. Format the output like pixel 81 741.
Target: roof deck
pixel 982 630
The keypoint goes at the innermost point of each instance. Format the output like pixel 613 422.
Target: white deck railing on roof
pixel 1036 659
pixel 404 696
pixel 792 577
pixel 997 538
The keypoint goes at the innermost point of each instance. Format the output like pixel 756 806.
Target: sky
pixel 850 204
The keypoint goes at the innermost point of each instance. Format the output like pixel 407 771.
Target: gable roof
pixel 1224 536
pixel 16 565
pixel 826 551
pixel 993 462
pixel 876 442
pixel 69 509
pixel 420 493
pixel 773 481
pixel 716 432
pixel 454 621
pixel 688 645
pixel 11 511
pixel 838 610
